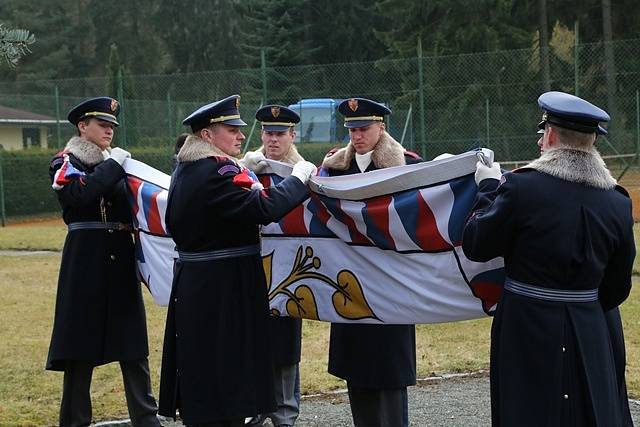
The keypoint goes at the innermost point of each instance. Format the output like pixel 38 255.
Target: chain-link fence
pixel 440 104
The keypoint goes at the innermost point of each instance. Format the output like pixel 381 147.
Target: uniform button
pixel 564 349
pixel 108 203
pixel 175 300
pixel 113 257
pixel 110 231
pixel 566 396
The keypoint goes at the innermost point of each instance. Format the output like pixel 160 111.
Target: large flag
pixel 378 247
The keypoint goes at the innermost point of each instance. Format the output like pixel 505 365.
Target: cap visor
pixel 601 130
pixel 108 119
pixel 359 123
pixel 276 128
pixel 234 122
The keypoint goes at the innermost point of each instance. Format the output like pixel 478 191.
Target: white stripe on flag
pixel 440 200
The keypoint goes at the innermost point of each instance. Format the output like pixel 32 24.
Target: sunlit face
pixel 226 138
pixel 364 139
pixel 277 144
pixel 98 131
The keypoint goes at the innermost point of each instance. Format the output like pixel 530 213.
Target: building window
pixel 30 137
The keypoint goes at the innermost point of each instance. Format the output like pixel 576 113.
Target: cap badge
pixel 544 116
pixel 275 112
pixel 238 102
pixel 353 104
pixel 114 105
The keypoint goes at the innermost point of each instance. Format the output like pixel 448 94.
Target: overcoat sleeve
pixel 78 187
pixel 490 226
pixel 616 282
pixel 231 195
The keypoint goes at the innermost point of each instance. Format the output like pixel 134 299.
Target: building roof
pixel 13 116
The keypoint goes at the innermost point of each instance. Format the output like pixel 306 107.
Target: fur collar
pixel 195 148
pixel 569 164
pixel 387 153
pixel 85 151
pixel 291 158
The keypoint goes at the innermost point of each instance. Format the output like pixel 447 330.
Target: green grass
pixel 29 395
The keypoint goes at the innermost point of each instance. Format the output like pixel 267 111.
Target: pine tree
pixel 14 44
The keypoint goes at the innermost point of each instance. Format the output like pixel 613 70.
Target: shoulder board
pixel 331 152
pixel 523 169
pixel 58 158
pixel 412 155
pixel 226 166
pixel 622 190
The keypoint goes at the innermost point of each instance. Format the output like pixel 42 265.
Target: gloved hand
pixel 119 155
pixel 303 170
pixel 254 161
pixel 485 172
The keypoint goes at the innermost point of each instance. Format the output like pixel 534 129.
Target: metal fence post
pixel 576 60
pixel 423 142
pixel 57 98
pixel 170 115
pixel 3 214
pixel 263 70
pixel 123 110
pixel 487 119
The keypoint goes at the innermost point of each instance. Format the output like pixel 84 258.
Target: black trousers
pixel 379 407
pixel 75 409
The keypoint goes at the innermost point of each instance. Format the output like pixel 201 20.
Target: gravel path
pixel 454 401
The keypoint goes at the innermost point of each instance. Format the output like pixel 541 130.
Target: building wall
pixel 11 136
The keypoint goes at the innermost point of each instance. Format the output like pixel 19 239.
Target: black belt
pixel 558 295
pixel 219 254
pixel 97 225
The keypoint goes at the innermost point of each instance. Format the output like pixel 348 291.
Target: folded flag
pixel 378 247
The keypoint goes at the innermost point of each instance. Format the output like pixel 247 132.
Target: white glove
pixel 442 156
pixel 303 170
pixel 254 161
pixel 119 155
pixel 487 172
pixel 105 154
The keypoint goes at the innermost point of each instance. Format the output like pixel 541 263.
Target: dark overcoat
pixel 561 224
pixel 99 314
pixel 368 355
pixel 214 364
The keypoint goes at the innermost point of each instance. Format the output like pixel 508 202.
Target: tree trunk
pixel 543 41
pixel 609 59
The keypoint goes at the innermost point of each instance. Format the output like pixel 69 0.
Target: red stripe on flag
pixel 154 221
pixel 293 222
pixel 134 186
pixel 378 209
pixel 429 237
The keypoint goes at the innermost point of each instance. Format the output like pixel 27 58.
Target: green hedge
pixel 27 186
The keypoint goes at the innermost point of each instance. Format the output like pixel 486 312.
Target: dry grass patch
pixel 39 235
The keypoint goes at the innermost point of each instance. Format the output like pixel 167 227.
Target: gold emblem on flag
pixel 275 112
pixel 353 104
pixel 348 298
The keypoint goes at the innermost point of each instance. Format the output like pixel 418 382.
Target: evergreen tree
pixel 14 44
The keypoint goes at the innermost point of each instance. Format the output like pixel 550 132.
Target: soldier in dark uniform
pixel 216 364
pixel 565 231
pixel 99 315
pixel 377 361
pixel 278 134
